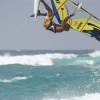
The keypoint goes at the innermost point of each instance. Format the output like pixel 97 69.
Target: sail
pixel 83 21
pixel 59 9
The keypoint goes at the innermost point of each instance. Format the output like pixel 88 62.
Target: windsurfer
pixel 49 24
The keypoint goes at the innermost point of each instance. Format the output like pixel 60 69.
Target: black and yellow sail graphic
pixel 59 9
pixel 79 24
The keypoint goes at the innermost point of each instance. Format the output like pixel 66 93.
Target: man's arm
pixel 67 18
pixel 63 26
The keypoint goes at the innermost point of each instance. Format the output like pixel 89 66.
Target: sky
pixel 19 31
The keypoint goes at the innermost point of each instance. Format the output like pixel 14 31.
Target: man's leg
pixel 46 7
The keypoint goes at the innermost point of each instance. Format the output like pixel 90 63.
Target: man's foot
pixel 38 14
pixel 32 15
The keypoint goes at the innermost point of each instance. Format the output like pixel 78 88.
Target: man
pixel 49 24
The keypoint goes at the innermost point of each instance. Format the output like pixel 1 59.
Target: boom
pixel 84 10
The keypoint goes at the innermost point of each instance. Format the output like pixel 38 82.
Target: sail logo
pixel 57 1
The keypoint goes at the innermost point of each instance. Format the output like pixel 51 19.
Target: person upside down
pixel 49 24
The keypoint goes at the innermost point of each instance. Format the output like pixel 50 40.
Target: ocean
pixel 50 75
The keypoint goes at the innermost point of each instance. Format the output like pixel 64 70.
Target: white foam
pixel 95 54
pixel 43 59
pixel 14 79
pixel 25 60
pixel 88 62
pixel 61 56
pixel 95 96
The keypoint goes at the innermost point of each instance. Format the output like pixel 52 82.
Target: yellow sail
pixel 59 9
pixel 82 24
pixel 79 24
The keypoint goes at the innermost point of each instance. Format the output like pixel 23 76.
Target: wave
pixel 42 59
pixel 51 59
pixel 18 78
pixel 85 62
pixel 94 54
pixel 95 96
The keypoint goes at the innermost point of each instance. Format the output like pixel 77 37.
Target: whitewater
pixel 47 75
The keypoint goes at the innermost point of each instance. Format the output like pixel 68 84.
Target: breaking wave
pixel 94 54
pixel 52 59
pixel 95 96
pixel 42 59
pixel 17 78
pixel 87 62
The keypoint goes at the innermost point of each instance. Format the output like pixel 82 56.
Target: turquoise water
pixel 54 76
